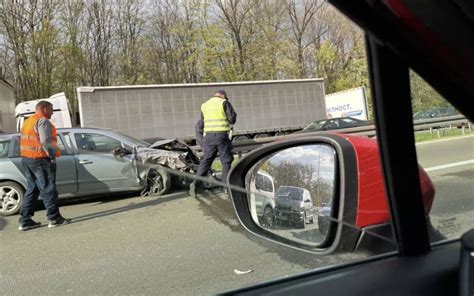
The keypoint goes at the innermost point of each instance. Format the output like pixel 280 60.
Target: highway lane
pixel 446 151
pixel 450 165
pixel 178 245
pixel 175 245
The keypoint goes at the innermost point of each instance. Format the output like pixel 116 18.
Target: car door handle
pixel 85 161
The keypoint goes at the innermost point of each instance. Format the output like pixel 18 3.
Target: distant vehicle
pixel 294 205
pixel 347 103
pixel 264 194
pixel 62 117
pixel 334 123
pixel 98 162
pixel 435 113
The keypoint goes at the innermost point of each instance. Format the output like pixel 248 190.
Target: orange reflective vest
pixel 30 145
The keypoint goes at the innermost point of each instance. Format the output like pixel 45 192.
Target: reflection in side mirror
pixel 290 191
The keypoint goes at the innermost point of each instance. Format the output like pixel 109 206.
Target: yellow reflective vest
pixel 215 119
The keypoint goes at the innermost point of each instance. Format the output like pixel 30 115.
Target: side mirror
pixel 326 167
pixel 121 151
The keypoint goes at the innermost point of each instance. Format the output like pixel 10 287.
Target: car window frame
pixel 80 151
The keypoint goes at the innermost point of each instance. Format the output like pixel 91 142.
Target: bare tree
pixel 341 53
pixel 32 37
pixel 301 15
pixel 129 30
pixel 269 16
pixel 98 44
pixel 236 14
pixel 71 74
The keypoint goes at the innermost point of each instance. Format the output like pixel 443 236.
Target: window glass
pixel 16 147
pixel 164 237
pixel 61 146
pixel 263 183
pixel 95 143
pixel 445 151
pixel 4 145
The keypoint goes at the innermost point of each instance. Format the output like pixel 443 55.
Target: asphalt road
pixel 179 245
pixel 450 165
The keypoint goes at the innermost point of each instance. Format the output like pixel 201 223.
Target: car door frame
pixel 418 268
pixel 104 188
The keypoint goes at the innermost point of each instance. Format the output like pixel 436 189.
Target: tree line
pixel 52 46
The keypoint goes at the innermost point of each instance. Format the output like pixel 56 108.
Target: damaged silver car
pixel 97 162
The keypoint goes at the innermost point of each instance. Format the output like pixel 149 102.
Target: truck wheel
pixel 11 198
pixel 259 136
pixel 240 138
pixel 160 182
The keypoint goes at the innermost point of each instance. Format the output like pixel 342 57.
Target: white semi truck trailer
pixel 264 108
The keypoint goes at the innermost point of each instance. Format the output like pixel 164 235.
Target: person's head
pixel 44 108
pixel 221 94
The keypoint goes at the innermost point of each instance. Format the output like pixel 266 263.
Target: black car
pixel 435 113
pixel 334 124
pixel 294 205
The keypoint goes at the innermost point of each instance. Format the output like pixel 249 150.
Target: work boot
pixel 58 222
pixel 29 224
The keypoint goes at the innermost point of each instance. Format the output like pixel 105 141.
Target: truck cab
pixel 62 111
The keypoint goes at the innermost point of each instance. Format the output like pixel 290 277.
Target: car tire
pixel 302 223
pixel 160 182
pixel 11 198
pixel 268 218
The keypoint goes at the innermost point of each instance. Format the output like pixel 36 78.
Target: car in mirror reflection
pixel 294 205
pixel 329 194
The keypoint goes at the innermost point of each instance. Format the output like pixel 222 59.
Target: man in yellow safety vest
pixel 217 116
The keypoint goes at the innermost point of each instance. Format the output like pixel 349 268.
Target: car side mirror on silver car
pixel 317 204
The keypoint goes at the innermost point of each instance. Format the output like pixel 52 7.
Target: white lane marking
pixel 444 140
pixel 449 165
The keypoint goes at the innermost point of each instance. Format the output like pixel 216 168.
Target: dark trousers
pixel 213 143
pixel 41 177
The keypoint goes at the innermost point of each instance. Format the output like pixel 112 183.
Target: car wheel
pixel 323 226
pixel 268 217
pixel 160 182
pixel 302 223
pixel 11 198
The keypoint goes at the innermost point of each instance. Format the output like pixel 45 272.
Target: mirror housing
pixel 344 202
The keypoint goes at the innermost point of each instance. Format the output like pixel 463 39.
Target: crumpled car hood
pixel 171 159
pixel 170 153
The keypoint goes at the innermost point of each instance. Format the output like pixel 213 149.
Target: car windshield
pixel 171 221
pixel 134 141
pixel 315 125
pixel 290 192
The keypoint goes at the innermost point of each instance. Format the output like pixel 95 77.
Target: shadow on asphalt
pixel 153 201
pixel 3 223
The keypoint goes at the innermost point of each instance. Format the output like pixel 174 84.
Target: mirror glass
pixel 291 192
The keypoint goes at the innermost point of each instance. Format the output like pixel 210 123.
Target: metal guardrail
pixel 245 146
